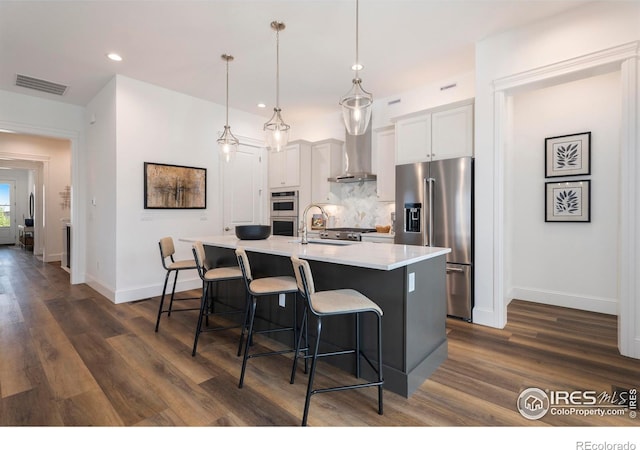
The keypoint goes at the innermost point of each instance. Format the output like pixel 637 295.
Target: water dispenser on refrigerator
pixel 412 217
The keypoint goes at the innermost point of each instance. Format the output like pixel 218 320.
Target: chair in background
pixel 210 276
pixel 167 250
pixel 332 303
pixel 259 288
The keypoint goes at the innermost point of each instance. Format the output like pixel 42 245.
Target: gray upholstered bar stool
pixel 212 275
pixel 262 288
pixel 167 250
pixel 332 303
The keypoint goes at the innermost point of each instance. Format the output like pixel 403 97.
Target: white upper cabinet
pixel 326 161
pixel 383 162
pixel 284 167
pixel 452 133
pixel 442 133
pixel 413 139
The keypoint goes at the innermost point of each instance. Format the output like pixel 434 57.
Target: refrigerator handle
pixel 429 185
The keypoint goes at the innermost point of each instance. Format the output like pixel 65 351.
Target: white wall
pixel 158 125
pixel 577 33
pixel 566 264
pixel 102 210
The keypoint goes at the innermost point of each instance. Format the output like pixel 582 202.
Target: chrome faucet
pixel 304 220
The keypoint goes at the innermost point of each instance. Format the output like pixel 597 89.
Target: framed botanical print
pixel 568 155
pixel 568 201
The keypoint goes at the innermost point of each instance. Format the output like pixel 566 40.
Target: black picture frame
pixel 567 155
pixel 568 201
pixel 169 186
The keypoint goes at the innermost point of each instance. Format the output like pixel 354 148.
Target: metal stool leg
pixel 244 322
pixel 173 291
pixel 164 290
pixel 314 361
pixel 252 312
pixel 303 326
pixel 203 305
pixel 380 379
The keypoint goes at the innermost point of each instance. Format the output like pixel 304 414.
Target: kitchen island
pixel 406 281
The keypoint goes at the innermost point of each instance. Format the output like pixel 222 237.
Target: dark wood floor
pixel 69 357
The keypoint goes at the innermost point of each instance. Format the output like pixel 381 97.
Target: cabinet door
pixel 326 161
pixel 284 167
pixel 413 139
pixel 383 162
pixel 291 174
pixel 452 133
pixel 321 164
pixel 276 169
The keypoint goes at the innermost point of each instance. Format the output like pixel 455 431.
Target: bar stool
pixel 262 288
pixel 167 250
pixel 332 303
pixel 209 276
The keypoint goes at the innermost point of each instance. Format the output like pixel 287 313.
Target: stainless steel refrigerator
pixel 434 207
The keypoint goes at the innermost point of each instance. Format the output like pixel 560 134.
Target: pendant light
pixel 357 103
pixel 277 132
pixel 227 143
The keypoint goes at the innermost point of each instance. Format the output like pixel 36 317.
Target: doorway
pixel 243 202
pixel 7 212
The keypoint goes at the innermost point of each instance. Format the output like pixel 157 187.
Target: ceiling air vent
pixel 40 85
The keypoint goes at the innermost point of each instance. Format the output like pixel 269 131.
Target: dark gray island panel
pixel 414 321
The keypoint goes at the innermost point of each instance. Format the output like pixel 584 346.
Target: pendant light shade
pixel 357 103
pixel 227 143
pixel 276 130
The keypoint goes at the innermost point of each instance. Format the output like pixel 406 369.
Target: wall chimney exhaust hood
pixel 357 159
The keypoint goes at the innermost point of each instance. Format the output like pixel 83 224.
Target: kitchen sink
pixel 324 242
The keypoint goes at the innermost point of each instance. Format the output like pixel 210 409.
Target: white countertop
pixel 370 255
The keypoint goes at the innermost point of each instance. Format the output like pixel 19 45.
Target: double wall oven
pixel 284 213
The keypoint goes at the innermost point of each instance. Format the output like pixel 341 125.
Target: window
pixel 5 205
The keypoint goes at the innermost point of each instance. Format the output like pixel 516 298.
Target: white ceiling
pixel 177 45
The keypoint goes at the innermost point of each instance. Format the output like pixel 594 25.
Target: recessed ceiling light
pixel 261 105
pixel 357 67
pixel 114 57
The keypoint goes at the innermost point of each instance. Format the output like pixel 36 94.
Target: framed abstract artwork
pixel 568 201
pixel 174 187
pixel 568 155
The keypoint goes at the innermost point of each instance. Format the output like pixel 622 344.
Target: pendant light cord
pixel 277 68
pixel 227 119
pixel 357 55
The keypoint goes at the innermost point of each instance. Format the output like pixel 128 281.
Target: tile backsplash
pixel 357 205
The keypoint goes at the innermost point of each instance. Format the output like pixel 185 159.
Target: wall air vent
pixel 40 85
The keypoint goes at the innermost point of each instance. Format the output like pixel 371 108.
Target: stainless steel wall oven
pixel 284 213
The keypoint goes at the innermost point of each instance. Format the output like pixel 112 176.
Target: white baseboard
pixel 593 304
pixel 140 293
pixel 154 290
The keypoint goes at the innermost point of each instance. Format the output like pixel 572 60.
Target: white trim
pixel 603 61
pixel 629 262
pixel 625 59
pixel 595 304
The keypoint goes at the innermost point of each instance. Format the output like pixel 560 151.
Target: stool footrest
pixel 348 386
